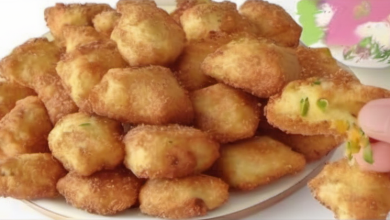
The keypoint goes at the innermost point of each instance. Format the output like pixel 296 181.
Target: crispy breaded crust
pixel 318 62
pixel 201 19
pixel 19 130
pixel 61 15
pixel 182 198
pixel 85 144
pixel 254 65
pixel 352 193
pixel 36 182
pixel 83 68
pixel 145 95
pixel 105 22
pixel 183 5
pixel 272 22
pixel 103 193
pixel 76 36
pixel 283 110
pixel 147 35
pixel 258 161
pixel 168 151
pixel 313 147
pixel 53 95
pixel 226 113
pixel 34 58
pixel 10 93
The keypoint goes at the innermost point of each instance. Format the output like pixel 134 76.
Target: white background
pixel 24 19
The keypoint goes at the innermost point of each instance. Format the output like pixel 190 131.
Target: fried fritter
pixel 183 5
pixel 76 36
pixel 105 22
pixel 85 144
pixel 182 198
pixel 258 161
pixel 61 15
pixel 226 113
pixel 34 58
pixel 9 94
pixel 254 65
pixel 103 193
pixel 53 95
pixel 168 151
pixel 147 35
pixel 25 128
pixel 318 62
pixel 149 95
pixel 198 21
pixel 30 176
pixel 320 106
pixel 83 68
pixel 272 22
pixel 352 193
pixel 313 147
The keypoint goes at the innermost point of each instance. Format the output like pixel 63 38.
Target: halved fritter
pixel 84 67
pixel 352 193
pixel 145 95
pixel 103 193
pixel 10 93
pixel 318 62
pixel 34 58
pixel 226 113
pixel 254 65
pixel 258 161
pixel 272 22
pixel 25 128
pixel 61 15
pixel 182 198
pixel 54 96
pixel 30 176
pixel 168 151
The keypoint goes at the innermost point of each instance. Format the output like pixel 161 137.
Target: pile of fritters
pixel 133 106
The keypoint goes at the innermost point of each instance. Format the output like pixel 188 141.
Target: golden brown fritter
pixel 147 35
pixel 254 65
pixel 320 106
pixel 61 15
pixel 76 36
pixel 168 151
pixel 25 128
pixel 182 198
pixel 149 95
pixel 258 161
pixel 83 68
pixel 105 22
pixel 352 193
pixel 318 62
pixel 103 193
pixel 34 58
pixel 122 4
pixel 313 147
pixel 30 176
pixel 272 22
pixel 226 113
pixel 9 94
pixel 183 5
pixel 85 144
pixel 53 95
pixel 198 21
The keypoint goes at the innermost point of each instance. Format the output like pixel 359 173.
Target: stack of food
pixel 133 107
